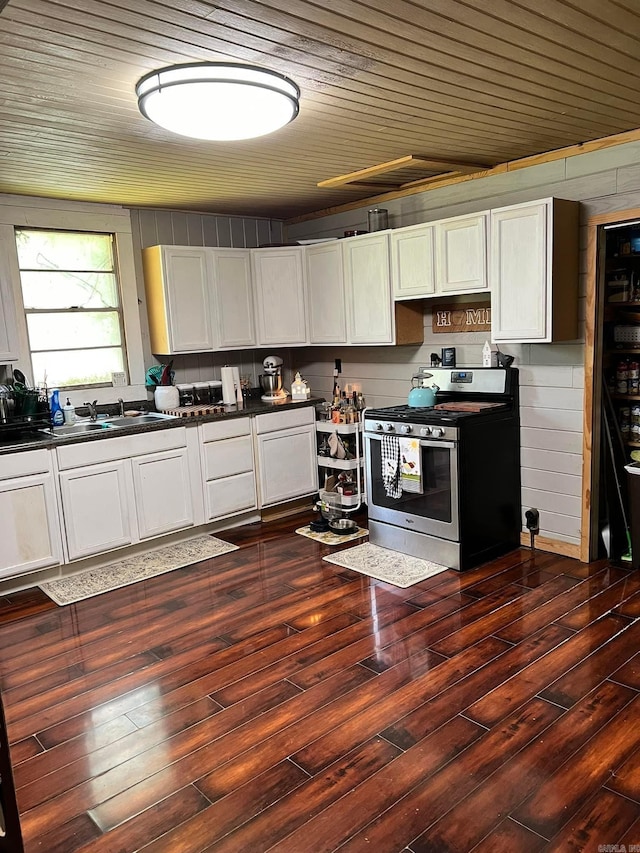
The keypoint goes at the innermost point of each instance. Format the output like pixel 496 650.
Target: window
pixel 72 305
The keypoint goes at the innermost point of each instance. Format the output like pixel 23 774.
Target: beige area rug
pixel 330 538
pixel 133 569
pixel 384 565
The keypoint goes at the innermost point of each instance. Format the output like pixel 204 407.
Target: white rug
pixel 384 565
pixel 133 569
pixel 329 538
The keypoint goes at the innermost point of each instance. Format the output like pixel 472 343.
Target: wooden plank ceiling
pixel 461 82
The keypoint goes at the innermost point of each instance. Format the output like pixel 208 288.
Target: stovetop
pixel 428 415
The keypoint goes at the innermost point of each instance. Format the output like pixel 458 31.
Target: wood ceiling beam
pixel 463 167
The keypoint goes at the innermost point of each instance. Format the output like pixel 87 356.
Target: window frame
pixel 31 212
pixel 119 308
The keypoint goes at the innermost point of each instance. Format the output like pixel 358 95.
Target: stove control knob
pixel 437 432
pixel 390 428
pixel 406 429
pixel 378 427
pixel 425 431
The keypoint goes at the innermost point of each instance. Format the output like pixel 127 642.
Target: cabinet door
pixel 325 291
pixel 461 254
pixel 412 262
pixel 29 525
pixel 368 286
pixel 98 511
pixel 519 277
pixel 188 284
pixel 233 298
pixel 278 278
pixel 162 489
pixel 287 464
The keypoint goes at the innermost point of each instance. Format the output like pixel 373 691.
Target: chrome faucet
pixel 121 404
pixel 93 412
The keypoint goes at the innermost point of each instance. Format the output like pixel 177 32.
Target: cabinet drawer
pixel 23 464
pixel 120 447
pixel 225 458
pixel 285 420
pixel 216 430
pixel 230 494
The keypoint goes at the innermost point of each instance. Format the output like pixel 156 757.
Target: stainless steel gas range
pixel 443 483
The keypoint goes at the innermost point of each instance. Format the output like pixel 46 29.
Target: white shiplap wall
pixel 551 375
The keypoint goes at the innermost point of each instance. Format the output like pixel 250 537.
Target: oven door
pixel 434 510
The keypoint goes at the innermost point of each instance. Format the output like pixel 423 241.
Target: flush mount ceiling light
pixel 218 100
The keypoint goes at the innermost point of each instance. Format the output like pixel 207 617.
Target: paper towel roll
pixel 236 384
pixel 228 386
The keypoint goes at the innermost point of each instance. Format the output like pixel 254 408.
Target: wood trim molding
pixel 553 546
pixel 510 166
pixel 592 391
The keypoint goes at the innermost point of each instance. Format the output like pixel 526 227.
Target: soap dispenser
pixel 69 412
pixel 55 409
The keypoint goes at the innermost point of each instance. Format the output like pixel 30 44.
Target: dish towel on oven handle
pixel 410 467
pixel 390 453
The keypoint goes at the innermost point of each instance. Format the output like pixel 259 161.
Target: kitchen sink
pixel 79 428
pixel 104 424
pixel 135 420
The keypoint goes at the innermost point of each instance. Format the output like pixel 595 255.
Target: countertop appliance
pixel 460 503
pixel 271 380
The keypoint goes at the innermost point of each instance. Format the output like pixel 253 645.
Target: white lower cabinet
pixel 118 491
pixel 228 468
pixel 29 519
pixel 97 512
pixel 286 449
pixel 162 492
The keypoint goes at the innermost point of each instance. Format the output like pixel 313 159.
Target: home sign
pixel 471 317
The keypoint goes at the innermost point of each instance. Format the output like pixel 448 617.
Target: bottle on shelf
pixel 633 377
pixel 622 376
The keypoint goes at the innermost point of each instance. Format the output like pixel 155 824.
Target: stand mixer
pixel 271 380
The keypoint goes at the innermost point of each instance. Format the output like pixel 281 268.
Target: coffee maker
pixel 271 380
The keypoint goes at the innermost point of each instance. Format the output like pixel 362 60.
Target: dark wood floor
pixel 267 700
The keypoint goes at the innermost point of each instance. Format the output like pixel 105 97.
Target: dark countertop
pixel 33 440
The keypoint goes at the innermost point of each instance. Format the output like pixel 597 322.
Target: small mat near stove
pixel 130 570
pixel 330 538
pixel 385 565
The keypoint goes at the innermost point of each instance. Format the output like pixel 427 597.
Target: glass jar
pixel 378 219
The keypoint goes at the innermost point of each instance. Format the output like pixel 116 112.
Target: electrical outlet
pixel 119 379
pixel 533 520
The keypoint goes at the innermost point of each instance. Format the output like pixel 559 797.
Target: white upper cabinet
pixel 368 287
pixel 233 298
pixel 179 299
pixel 461 254
pixel 279 285
pixel 534 272
pixel 325 294
pixel 413 262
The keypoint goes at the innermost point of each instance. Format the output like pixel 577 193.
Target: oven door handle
pixel 423 442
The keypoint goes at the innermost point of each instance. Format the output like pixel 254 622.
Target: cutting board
pixel 195 411
pixel 467 406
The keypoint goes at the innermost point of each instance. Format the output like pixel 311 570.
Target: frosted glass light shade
pixel 218 100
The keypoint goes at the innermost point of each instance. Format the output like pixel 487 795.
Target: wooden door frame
pixel 592 372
